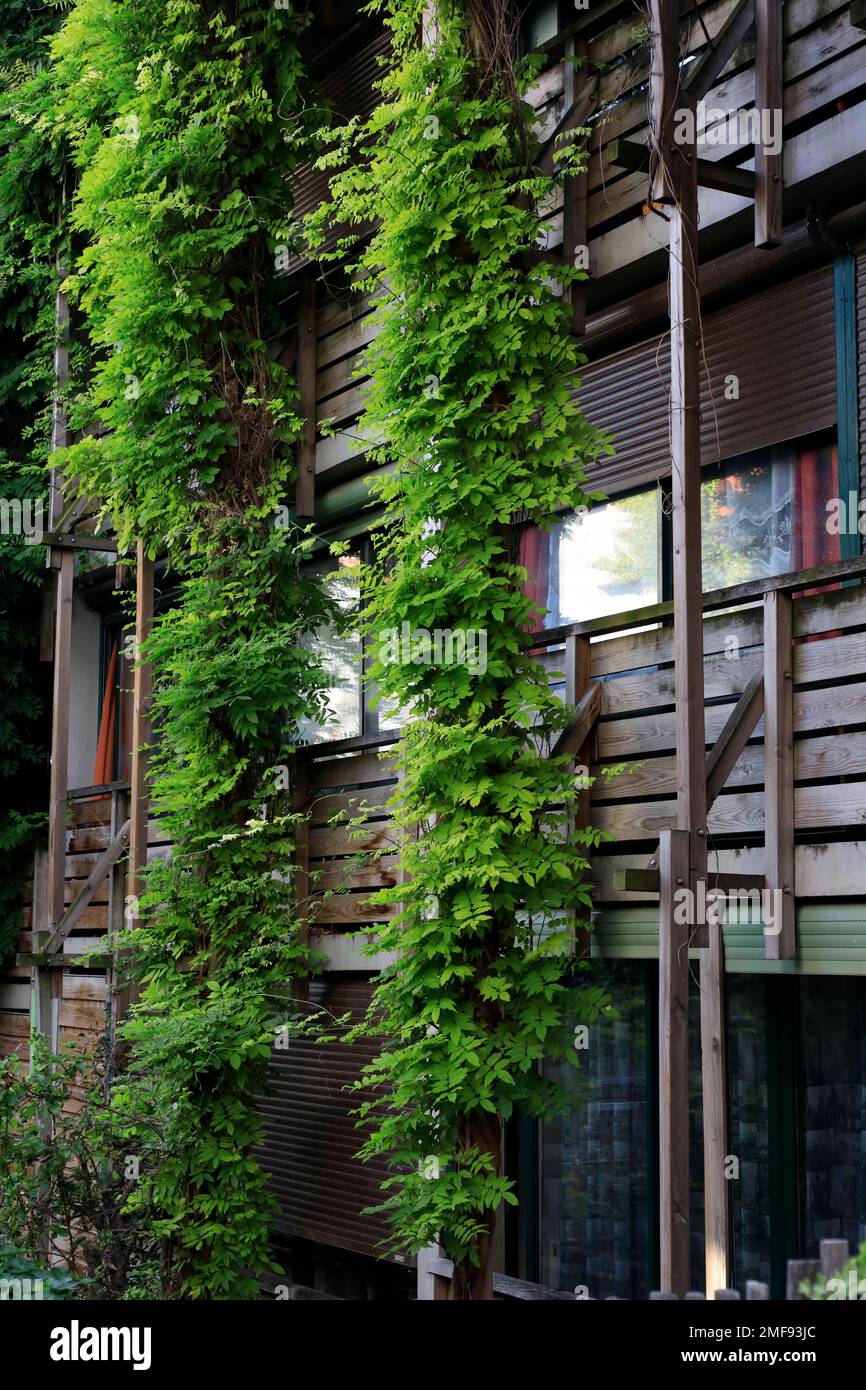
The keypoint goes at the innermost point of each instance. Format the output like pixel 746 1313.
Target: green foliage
pixel 472 381
pixel 29 199
pixel 849 1282
pixel 64 1170
pixel 180 123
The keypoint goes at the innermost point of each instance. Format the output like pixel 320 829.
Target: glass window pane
pixel 595 563
pixel 594 1158
pixel 747 1081
pixel 765 513
pixel 832 1111
pixel 341 656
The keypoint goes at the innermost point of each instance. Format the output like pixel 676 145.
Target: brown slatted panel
pixel 311 1138
pixel 781 346
pixel 349 89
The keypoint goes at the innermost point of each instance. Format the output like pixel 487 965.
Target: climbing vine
pixel 181 122
pixel 473 376
pixel 30 198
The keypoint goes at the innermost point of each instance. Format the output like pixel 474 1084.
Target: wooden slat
pixel 342 772
pixel 97 876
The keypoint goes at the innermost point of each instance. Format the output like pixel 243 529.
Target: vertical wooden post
pixel 301 800
pixel 41 979
pixel 48 981
pixel 673 1065
pixel 575 227
pixel 768 98
pixel 116 923
pixel 142 689
pixel 714 1085
pixel 779 771
pixel 305 492
pixel 577 677
pixel 675 181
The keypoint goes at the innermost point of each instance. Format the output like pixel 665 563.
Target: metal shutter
pixel 310 1136
pixel 780 344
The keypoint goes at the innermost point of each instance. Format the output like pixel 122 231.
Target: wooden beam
pixel 60 742
pixel 673 1066
pixel 714 1088
pixel 575 225
pixel 574 116
pixel 305 489
pixel 779 770
pixel 739 727
pixel 682 852
pixel 142 693
pixel 727 178
pixel 587 711
pixel 769 168
pixel 648 881
pixel 858 14
pixel 68 540
pixel 701 75
pixel 98 873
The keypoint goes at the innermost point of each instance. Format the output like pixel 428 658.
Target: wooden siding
pixel 824 82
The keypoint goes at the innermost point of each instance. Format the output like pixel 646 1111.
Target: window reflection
pixel 594 1189
pixel 340 653
pixel 765 513
pixel 595 563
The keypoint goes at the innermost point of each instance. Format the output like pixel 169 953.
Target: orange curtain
pixel 103 768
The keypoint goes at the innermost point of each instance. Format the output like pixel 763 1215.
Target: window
pixel 595 1171
pixel 765 513
pixel 597 562
pixel 340 654
pixel 347 658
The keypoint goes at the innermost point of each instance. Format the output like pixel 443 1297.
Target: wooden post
pixel 116 923
pixel 768 98
pixel 142 690
pixel 683 852
pixel 577 680
pixel 714 1086
pixel 673 1065
pixel 779 772
pixel 56 867
pixel 575 227
pixel 305 492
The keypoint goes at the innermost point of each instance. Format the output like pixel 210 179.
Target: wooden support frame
pixel 779 770
pixel 305 490
pixel 769 168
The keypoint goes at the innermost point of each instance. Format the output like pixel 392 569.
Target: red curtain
pixel 534 555
pixel 103 768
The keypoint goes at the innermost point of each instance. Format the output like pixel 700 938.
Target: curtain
pixel 103 768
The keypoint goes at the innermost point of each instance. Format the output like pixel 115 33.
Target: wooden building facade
pixel 709 619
